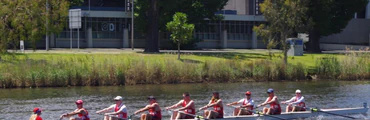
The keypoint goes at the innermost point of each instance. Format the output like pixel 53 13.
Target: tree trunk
pixel 314 41
pixel 153 30
pixel 178 50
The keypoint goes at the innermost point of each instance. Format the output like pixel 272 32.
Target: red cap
pixel 36 110
pixel 79 102
pixel 248 93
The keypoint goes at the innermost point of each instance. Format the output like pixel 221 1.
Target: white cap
pixel 118 98
pixel 298 91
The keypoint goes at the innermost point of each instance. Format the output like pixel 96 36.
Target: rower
pixel 274 108
pixel 218 109
pixel 36 114
pixel 82 113
pixel 153 108
pixel 187 106
pixel 296 103
pixel 118 110
pixel 246 106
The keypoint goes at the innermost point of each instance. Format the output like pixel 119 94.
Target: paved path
pixel 129 50
pixel 120 51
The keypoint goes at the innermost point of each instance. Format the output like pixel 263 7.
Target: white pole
pixel 70 37
pixel 47 35
pixel 132 24
pixel 78 38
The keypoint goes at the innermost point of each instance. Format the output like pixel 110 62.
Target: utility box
pixel 296 46
pixel 21 45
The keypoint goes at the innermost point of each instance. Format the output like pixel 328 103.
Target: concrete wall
pixel 356 32
pixel 342 47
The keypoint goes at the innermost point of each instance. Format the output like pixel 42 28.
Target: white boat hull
pixel 296 115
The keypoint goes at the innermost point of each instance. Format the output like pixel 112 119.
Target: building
pixel 107 25
pixel 356 35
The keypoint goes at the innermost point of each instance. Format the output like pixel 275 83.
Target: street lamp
pixel 132 24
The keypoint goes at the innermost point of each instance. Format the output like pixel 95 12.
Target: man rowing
pixel 274 108
pixel 153 108
pixel 246 106
pixel 187 108
pixel 36 114
pixel 81 112
pixel 218 109
pixel 296 103
pixel 118 110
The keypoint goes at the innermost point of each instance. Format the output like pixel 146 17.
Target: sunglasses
pixel 247 94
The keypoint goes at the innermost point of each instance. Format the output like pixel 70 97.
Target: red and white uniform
pixel 188 110
pixel 275 106
pixel 122 109
pixel 298 101
pixel 156 114
pixel 38 118
pixel 81 116
pixel 244 101
pixel 218 109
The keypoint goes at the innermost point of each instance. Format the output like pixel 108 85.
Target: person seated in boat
pixel 36 114
pixel 187 109
pixel 296 103
pixel 245 105
pixel 116 111
pixel 274 108
pixel 218 109
pixel 81 112
pixel 153 108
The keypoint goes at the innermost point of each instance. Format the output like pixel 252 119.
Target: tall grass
pixel 55 70
pixel 90 70
pixel 354 66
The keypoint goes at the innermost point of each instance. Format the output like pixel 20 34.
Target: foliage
pixel 330 17
pixel 27 20
pixel 284 18
pixel 97 69
pixel 75 2
pixel 181 31
pixel 197 10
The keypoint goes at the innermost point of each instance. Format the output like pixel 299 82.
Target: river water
pixel 17 104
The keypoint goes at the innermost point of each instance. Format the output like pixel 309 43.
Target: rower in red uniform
pixel 118 110
pixel 218 108
pixel 187 109
pixel 153 108
pixel 245 105
pixel 296 103
pixel 274 108
pixel 36 114
pixel 82 113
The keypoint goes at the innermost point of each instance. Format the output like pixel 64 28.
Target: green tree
pixel 284 18
pixel 330 17
pixel 27 20
pixel 76 2
pixel 153 15
pixel 180 30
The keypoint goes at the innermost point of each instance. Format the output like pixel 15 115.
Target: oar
pixel 114 116
pixel 260 113
pixel 244 108
pixel 317 110
pixel 195 116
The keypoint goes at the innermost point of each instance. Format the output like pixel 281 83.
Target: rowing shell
pixel 296 115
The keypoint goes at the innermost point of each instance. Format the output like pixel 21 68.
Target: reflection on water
pixel 17 104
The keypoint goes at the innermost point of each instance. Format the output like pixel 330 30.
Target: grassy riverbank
pixel 51 70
